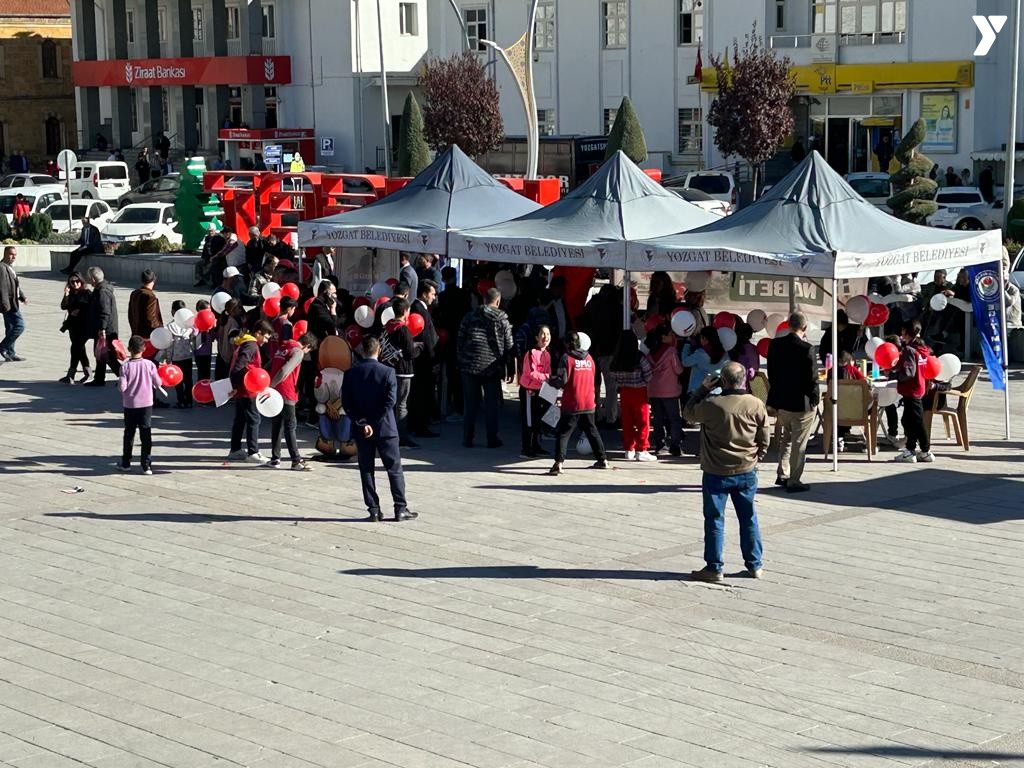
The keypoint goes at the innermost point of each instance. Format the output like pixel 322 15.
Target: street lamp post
pixel 1011 140
pixel 385 110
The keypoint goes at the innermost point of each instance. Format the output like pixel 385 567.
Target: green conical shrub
pixel 413 152
pixel 627 134
pixel 912 200
pixel 194 208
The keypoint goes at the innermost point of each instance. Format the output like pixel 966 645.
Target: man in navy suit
pixel 369 392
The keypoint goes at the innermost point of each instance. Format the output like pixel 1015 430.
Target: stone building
pixel 37 98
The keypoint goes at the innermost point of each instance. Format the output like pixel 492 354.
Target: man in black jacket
pixel 453 305
pixel 793 379
pixel 102 325
pixel 323 318
pixel 421 404
pixel 89 241
pixel 398 351
pixel 485 343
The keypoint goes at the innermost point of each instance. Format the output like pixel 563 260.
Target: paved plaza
pixel 216 615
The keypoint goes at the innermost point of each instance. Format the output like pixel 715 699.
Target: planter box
pixel 172 269
pixel 36 257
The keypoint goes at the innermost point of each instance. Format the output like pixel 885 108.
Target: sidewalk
pixel 226 615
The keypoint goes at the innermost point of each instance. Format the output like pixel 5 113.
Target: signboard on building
pixel 272 154
pixel 823 49
pixel 202 70
pixel 938 110
pixel 327 146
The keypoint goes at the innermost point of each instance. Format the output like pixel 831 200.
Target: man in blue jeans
pixel 733 439
pixel 11 299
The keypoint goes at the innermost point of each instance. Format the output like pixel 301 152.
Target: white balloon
pixel 857 309
pixel 756 319
pixel 950 366
pixel 271 289
pixel 161 338
pixel 728 338
pixel 387 315
pixel 772 322
pixel 697 281
pixel 873 344
pixel 377 290
pixel 321 408
pixel 184 317
pixel 269 403
pixel 876 298
pixel 684 323
pixel 219 300
pixel 583 446
pixel 364 316
pixel 887 396
pixel 939 302
pixel 505 282
pixel 584 341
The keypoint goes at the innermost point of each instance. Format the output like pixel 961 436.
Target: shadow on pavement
pixel 515 572
pixel 184 517
pixel 919 753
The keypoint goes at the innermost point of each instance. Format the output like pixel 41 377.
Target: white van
pixel 38 198
pixel 100 180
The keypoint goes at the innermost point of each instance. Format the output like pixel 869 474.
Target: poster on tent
pixel 741 292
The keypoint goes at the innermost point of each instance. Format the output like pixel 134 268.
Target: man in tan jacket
pixel 733 439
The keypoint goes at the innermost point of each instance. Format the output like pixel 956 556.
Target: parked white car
pixel 703 200
pixel 719 184
pixel 38 198
pixel 26 180
pixel 872 186
pixel 983 216
pixel 1017 271
pixel 100 180
pixel 142 221
pixel 99 214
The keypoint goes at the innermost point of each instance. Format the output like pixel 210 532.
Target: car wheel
pixel 969 224
pixel 86 196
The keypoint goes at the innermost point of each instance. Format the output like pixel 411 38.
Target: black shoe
pixel 781 481
pixel 494 443
pixel 428 433
pixel 675 450
pixel 602 464
pixel 407 444
pixel 67 380
pixel 405 514
pixel 797 487
pixel 556 469
pixel 375 516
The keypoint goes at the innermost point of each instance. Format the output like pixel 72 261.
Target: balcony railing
pixel 866 38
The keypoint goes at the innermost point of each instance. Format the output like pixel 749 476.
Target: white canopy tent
pixel 813 224
pixel 452 192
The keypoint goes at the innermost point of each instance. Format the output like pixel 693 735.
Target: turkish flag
pixel 698 67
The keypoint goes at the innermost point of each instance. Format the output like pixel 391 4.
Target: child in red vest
pixel 912 386
pixel 284 377
pixel 576 377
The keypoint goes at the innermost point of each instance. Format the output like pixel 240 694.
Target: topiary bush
pixel 159 245
pixel 36 227
pixel 913 200
pixel 413 152
pixel 627 134
pixel 5 228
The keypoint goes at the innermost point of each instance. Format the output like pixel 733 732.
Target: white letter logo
pixel 989 27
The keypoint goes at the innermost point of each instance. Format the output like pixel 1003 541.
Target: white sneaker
pixel 256 458
pixel 645 456
pixel 630 455
pixel 238 455
pixel 842 445
pixel 906 457
pixel 925 457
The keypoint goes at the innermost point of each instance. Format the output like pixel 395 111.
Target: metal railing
pixel 866 38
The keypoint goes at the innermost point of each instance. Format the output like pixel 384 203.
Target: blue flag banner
pixel 986 295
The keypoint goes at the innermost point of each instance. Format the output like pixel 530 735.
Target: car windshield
pixel 60 211
pixel 870 187
pixel 113 172
pixel 713 184
pixel 138 216
pixel 44 180
pixel 7 202
pixel 957 198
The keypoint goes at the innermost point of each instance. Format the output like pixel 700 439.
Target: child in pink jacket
pixel 663 392
pixel 536 370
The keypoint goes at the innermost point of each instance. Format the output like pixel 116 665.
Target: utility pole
pixel 1011 141
pixel 385 110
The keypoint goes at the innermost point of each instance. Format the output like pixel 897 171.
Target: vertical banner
pixel 986 294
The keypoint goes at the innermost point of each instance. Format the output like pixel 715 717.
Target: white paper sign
pixel 552 416
pixel 549 393
pixel 221 391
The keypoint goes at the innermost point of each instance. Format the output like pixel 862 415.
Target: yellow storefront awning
pixel 864 78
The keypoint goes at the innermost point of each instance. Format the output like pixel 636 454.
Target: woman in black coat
pixel 76 324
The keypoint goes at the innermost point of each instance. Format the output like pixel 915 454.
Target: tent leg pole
pixel 625 300
pixel 792 295
pixel 834 374
pixel 1004 346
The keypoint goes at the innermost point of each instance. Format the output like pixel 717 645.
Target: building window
pixel 408 21
pixel 609 119
pixel 197 23
pixel 691 131
pixel 134 109
pixel 476 27
pixel 780 14
pixel 234 23
pixel 269 23
pixel 270 100
pixel 616 23
pixel 161 24
pixel 52 131
pixel 129 18
pixel 691 22
pixel 860 17
pixel 49 54
pixel 546 122
pixel 544 28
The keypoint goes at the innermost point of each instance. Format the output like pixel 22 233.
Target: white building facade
pixel 864 68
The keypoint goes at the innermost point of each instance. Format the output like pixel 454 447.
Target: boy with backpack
pixel 912 386
pixel 284 377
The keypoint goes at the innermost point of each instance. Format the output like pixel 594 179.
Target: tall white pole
pixel 1005 352
pixel 834 373
pixel 462 23
pixel 1011 140
pixel 385 110
pixel 532 129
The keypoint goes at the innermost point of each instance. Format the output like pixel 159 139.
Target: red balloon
pixel 354 335
pixel 170 374
pixel 442 336
pixel 762 347
pixel 202 392
pixel 383 300
pixel 149 352
pixel 256 381
pixel 205 320
pixel 272 306
pixel 724 320
pixel 286 263
pixel 932 368
pixel 391 282
pixel 878 314
pixel 299 329
pixel 361 301
pixel 887 355
pixel 416 324
pixel 305 306
pixel 783 328
pixel 483 286
pixel 291 290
